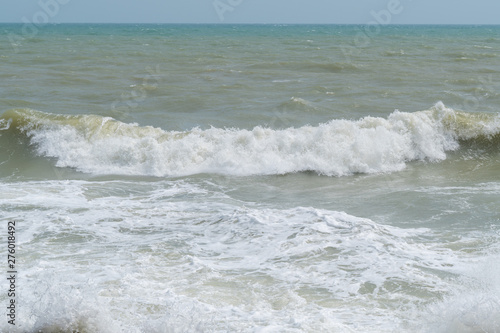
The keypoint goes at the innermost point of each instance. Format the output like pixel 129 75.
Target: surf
pixel 102 145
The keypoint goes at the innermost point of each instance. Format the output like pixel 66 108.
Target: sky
pixel 252 11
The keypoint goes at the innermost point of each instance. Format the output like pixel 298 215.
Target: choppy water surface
pixel 179 178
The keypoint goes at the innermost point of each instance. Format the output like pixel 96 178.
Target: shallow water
pixel 172 178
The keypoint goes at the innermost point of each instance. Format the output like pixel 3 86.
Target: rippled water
pixel 179 178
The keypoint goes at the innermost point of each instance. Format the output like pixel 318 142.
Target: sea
pixel 250 178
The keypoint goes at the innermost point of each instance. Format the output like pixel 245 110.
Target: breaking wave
pixel 102 145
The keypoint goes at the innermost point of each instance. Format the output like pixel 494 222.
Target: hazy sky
pixel 253 11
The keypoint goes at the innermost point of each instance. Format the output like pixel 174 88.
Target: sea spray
pixel 102 145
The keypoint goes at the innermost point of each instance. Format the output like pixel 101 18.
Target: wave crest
pixel 102 145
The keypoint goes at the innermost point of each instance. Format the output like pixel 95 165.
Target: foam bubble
pixel 98 145
pixel 474 306
pixel 113 256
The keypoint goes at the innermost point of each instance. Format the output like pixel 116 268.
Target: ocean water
pixel 251 178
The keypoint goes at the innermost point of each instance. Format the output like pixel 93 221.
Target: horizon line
pixel 255 23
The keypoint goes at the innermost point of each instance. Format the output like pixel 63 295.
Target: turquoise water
pixel 284 178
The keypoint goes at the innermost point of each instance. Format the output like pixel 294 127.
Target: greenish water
pixel 298 178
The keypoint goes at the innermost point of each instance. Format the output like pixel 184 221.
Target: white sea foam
pixel 97 145
pixel 174 255
pixel 474 306
pixel 414 251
